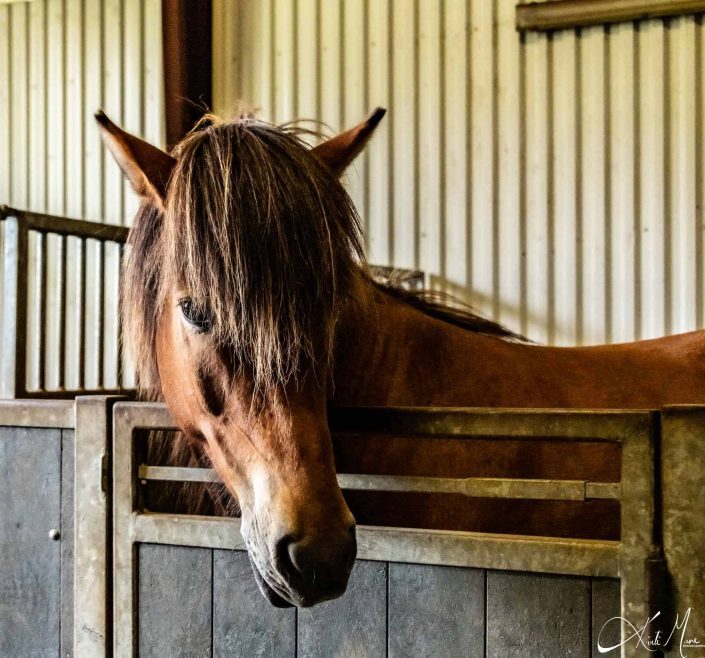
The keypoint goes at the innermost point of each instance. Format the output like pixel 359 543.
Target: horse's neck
pixel 388 353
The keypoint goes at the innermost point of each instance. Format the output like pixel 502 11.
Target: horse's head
pixel 241 257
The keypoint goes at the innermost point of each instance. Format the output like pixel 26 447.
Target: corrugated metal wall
pixel 60 60
pixel 554 181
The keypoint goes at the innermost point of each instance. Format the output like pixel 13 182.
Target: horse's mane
pixel 443 306
pixel 257 232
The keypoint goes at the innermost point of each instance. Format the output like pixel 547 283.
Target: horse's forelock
pixel 261 233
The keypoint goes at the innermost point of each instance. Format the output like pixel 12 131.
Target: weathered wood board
pixel 31 578
pixel 198 602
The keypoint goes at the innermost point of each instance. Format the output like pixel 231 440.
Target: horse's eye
pixel 197 316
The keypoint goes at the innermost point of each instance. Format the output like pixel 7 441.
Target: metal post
pixel 14 309
pixel 92 532
pixel 683 502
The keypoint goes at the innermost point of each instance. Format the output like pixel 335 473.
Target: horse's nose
pixel 319 565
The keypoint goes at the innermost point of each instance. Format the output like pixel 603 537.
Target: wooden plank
pixel 436 611
pixel 352 626
pixel 605 606
pixel 67 541
pixel 244 623
pixel 537 615
pixel 175 602
pixel 30 577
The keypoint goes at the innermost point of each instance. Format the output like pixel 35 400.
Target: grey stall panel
pixel 537 615
pixel 30 562
pixel 244 624
pixel 66 530
pixel 606 605
pixel 174 608
pixel 436 611
pixel 353 626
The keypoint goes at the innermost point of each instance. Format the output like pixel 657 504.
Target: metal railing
pixel 59 322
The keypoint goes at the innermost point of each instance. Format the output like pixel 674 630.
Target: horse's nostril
pixel 284 556
pixel 324 564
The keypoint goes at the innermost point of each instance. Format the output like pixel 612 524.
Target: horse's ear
pixel 339 151
pixel 146 167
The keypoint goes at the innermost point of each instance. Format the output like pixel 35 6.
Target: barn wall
pixel 61 60
pixel 553 181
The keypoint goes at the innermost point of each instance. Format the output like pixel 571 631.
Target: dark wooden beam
pixel 187 41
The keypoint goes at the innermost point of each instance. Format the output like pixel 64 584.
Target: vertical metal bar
pixel 13 379
pixel 120 362
pixel 92 530
pixel 82 318
pixel 637 516
pixel 683 508
pixel 101 316
pixel 41 329
pixel 63 304
pixel 124 572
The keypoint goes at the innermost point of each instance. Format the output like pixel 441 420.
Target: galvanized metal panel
pixel 30 588
pixel 244 623
pixel 59 62
pixel 549 179
pixel 353 626
pixel 532 615
pixel 436 611
pixel 174 601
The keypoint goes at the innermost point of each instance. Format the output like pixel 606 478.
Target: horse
pixel 248 307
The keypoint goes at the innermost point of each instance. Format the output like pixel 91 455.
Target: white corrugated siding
pixel 61 60
pixel 554 181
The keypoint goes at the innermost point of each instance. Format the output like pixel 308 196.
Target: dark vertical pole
pixel 187 38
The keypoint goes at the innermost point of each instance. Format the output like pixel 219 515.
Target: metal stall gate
pixel 54 531
pixel 177 584
pixel 183 585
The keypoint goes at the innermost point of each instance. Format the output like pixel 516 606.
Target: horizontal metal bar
pixel 575 557
pixel 36 413
pixel 185 530
pixel 70 393
pixel 64 226
pixel 176 474
pixel 478 487
pixel 512 424
pixel 517 488
pixel 151 415
pixel 564 14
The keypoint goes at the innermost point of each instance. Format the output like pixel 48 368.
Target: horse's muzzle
pixel 317 568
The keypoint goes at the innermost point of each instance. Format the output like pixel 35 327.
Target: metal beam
pixel 565 14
